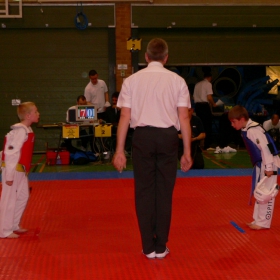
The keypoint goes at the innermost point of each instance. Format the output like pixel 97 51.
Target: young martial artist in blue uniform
pixel 265 163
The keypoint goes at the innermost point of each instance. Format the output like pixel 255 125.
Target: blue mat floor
pixel 129 174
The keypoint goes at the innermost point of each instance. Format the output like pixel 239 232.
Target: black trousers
pixel 155 167
pixel 203 111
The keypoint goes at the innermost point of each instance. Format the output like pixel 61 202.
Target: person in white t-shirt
pixel 96 92
pixel 154 101
pixel 272 123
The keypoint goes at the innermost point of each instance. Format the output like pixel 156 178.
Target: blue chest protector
pixel 253 150
pixel 255 153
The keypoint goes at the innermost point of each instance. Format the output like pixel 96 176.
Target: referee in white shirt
pixel 155 102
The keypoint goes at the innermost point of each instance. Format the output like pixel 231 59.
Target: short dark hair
pixel 116 94
pixel 81 97
pixel 157 49
pixel 207 74
pixel 92 73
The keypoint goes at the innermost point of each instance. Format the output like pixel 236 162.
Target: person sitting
pixel 84 135
pixel 81 100
pixel 272 126
pixel 112 116
pixel 112 113
pixel 198 134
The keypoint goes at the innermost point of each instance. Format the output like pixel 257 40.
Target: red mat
pixel 88 230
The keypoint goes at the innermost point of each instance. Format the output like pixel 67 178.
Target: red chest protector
pixel 26 151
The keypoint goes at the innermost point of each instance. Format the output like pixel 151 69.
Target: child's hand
pixel 9 183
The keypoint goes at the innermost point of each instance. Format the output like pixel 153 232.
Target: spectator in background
pixel 203 101
pixel 96 92
pixel 113 112
pixel 113 116
pixel 198 134
pixel 272 123
pixel 84 135
pixel 81 100
pixel 272 126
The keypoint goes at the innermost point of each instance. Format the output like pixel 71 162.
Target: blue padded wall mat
pixel 129 174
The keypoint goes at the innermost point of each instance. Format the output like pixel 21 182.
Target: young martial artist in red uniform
pixel 16 163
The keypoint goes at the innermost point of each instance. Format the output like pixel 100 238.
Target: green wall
pixel 225 46
pixel 219 35
pixel 48 66
pixel 203 16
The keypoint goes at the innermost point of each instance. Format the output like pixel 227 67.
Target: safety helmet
pixel 264 194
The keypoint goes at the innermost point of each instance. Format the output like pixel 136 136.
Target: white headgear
pixel 264 194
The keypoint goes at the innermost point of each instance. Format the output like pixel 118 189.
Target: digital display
pixel 85 112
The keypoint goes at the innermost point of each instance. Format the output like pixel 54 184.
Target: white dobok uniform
pixel 262 215
pixel 13 198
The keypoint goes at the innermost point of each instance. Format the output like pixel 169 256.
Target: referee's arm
pixel 186 160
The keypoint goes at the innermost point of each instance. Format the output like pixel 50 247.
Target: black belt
pixel 201 103
pixel 145 126
pixel 150 126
